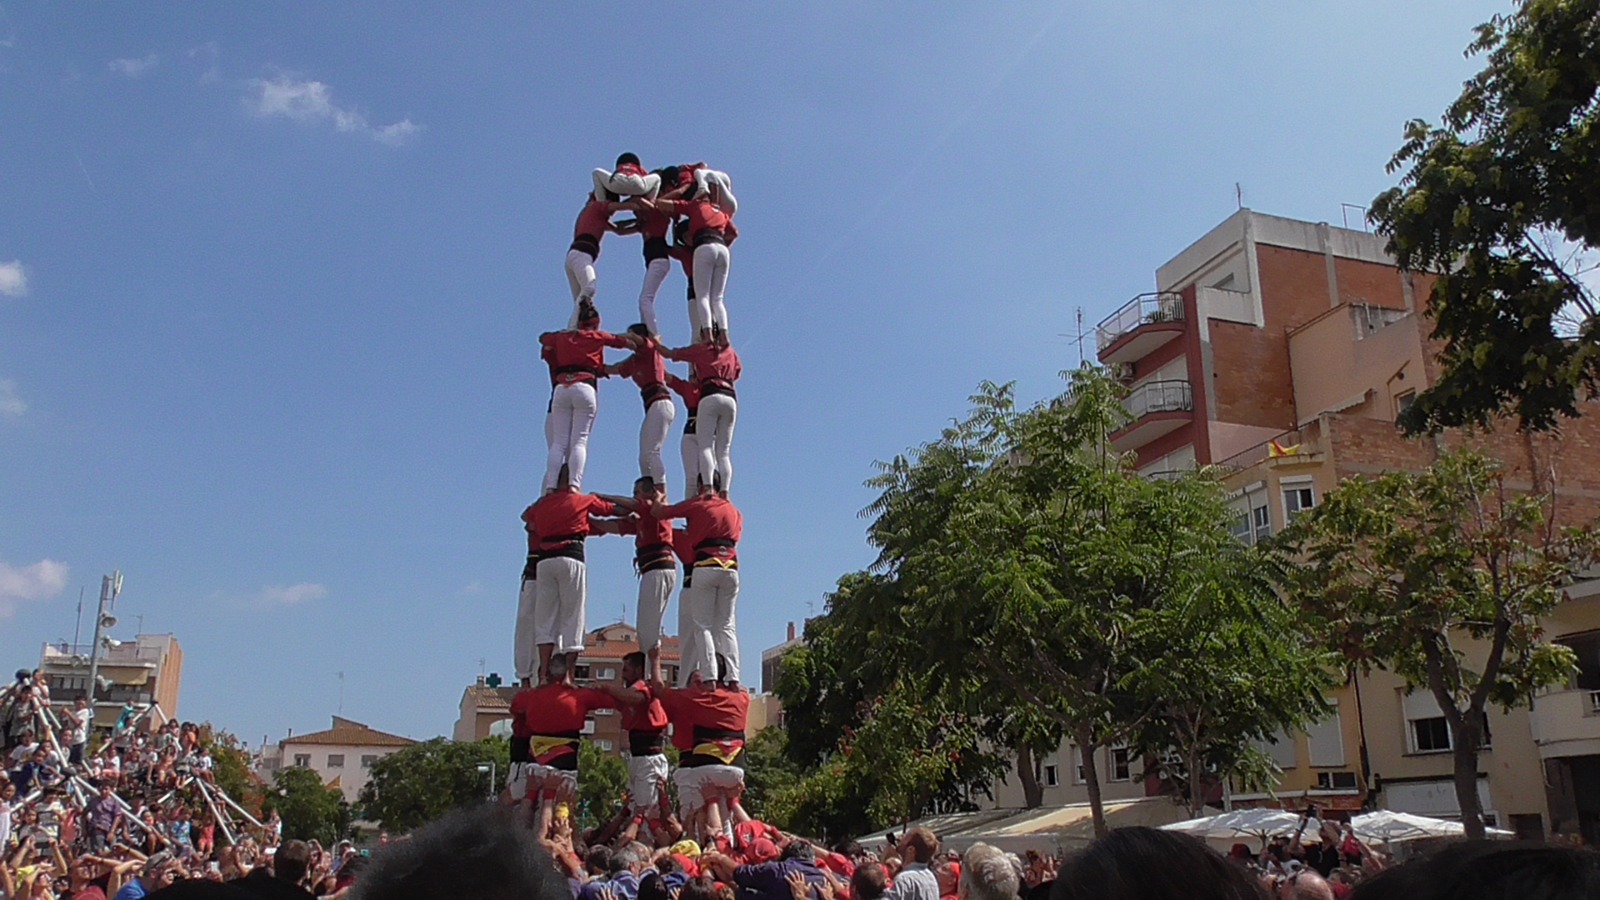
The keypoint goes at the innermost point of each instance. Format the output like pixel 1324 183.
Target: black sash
pixel 654 248
pixel 647 743
pixel 717 386
pixel 710 236
pixel 586 243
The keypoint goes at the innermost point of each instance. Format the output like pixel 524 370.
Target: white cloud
pixel 311 102
pixel 11 403
pixel 13 278
pixel 133 67
pixel 293 595
pixel 40 581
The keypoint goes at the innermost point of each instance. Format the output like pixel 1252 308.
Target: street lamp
pixel 489 770
pixel 110 587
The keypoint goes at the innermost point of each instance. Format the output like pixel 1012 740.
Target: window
pixel 580 671
pixel 1240 527
pixel 369 760
pixel 1261 523
pixel 1051 776
pixel 1078 755
pixel 1402 402
pixel 1430 735
pixel 302 760
pixel 1296 500
pixel 1120 770
pixel 588 727
pixel 604 745
pixel 606 674
pixel 335 760
pixel 670 674
pixel 1325 741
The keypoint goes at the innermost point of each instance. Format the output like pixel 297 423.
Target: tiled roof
pixel 350 733
pixel 487 699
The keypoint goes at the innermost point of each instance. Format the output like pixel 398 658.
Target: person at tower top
pixel 576 358
pixel 628 179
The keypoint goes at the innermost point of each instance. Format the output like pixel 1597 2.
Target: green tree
pixel 602 780
pixel 422 782
pixel 231 767
pixel 310 809
pixel 1441 577
pixel 1501 201
pixel 768 770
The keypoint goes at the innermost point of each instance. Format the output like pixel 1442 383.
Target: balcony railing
pixel 1594 703
pixel 127 653
pixel 1159 396
pixel 1145 309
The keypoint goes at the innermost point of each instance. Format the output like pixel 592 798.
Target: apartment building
pixel 1282 351
pixel 145 670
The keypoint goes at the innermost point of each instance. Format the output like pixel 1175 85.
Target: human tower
pixel 684 213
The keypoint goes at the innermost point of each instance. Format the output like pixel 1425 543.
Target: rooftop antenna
pixel 341 693
pixel 483 666
pixel 77 630
pixel 1238 194
pixel 1077 336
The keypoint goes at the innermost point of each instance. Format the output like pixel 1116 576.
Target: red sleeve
pixel 601 507
pixel 738 367
pixel 613 340
pixel 678 384
pixel 668 698
pixel 629 366
pixel 626 526
pixel 547 340
pixel 676 510
pixel 596 699
pixel 671 206
pixel 730 233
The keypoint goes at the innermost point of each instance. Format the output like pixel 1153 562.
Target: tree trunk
pixel 1197 788
pixel 1088 749
pixel 1466 740
pixel 1028 771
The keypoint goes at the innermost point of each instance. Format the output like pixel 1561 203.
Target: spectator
pixel 986 874
pixel 156 873
pixel 870 882
pixel 915 880
pixel 476 853
pixel 1482 871
pixel 1150 864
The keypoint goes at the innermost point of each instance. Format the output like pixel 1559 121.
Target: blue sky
pixel 271 278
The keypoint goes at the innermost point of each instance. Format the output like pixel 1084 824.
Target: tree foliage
pixel 1441 577
pixel 416 785
pixel 1030 586
pixel 602 779
pixel 310 809
pixel 1501 201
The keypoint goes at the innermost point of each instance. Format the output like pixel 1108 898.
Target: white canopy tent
pixel 1048 829
pixel 1389 827
pixel 1256 823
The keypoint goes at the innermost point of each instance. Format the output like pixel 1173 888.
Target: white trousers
pixel 655 592
pixel 647 185
pixel 694 643
pixel 572 411
pixel 712 603
pixel 714 434
pixel 645 774
pixel 653 436
pixel 526 647
pixel 655 272
pixel 695 781
pixel 706 179
pixel 711 263
pixel 562 587
pixel 581 279
pixel 689 450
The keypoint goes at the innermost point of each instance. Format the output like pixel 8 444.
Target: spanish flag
pixel 1275 450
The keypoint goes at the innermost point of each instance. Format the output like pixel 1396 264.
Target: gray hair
pixel 986 874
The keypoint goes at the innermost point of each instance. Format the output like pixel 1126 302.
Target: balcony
pixel 1566 723
pixel 1143 324
pixel 1157 408
pixel 126 653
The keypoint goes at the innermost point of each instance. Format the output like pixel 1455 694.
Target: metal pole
pixel 109 586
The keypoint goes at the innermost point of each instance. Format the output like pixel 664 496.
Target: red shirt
pixel 648 531
pixel 708 518
pixel 592 220
pixel 682 546
pixel 575 356
pixel 654 223
pixel 560 516
pixel 554 711
pixel 647 367
pixel 702 707
pixel 703 215
pixel 688 390
pixel 649 717
pixel 711 361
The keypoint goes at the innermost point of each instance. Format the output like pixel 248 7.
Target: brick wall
pixel 1371 283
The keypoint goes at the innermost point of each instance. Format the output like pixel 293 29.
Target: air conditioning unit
pixel 1337 781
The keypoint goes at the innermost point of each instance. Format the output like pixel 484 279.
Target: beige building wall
pixel 350 763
